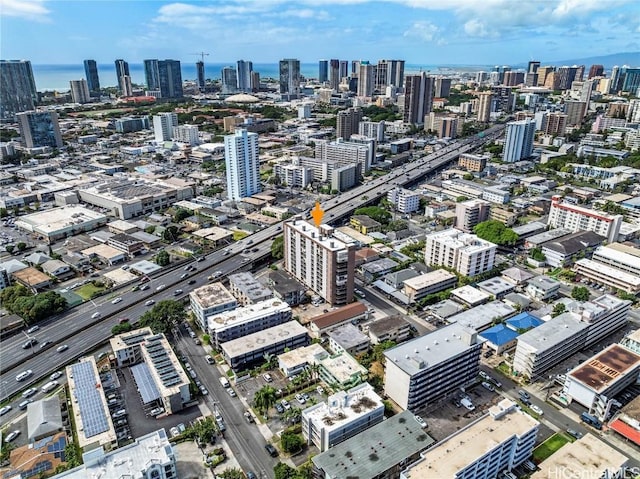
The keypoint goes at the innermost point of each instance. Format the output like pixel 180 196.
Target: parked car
pixel 536 409
pixel 156 411
pixel 273 452
pixel 488 386
pixel 13 434
pixel 24 404
pixel 574 433
pixel 300 399
pixel 421 421
pixel 285 404
pixel 209 359
pixel 231 392
pixel 523 394
pixel 55 375
pixel 279 408
pixel 267 377
pixel 249 417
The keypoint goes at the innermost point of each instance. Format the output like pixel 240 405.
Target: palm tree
pixel 292 415
pixel 264 398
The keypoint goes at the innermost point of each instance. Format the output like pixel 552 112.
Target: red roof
pixel 627 431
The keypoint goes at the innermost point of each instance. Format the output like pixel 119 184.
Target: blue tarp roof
pixel 499 334
pixel 524 321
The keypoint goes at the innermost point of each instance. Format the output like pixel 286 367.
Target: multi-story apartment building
pixel 498 441
pixel 564 251
pixel 430 367
pixel 615 265
pixel 188 134
pixel 17 88
pixel 366 79
pixel 208 300
pixel 345 153
pixel 39 129
pixel 555 124
pixel 418 97
pixel 149 456
pixel 596 381
pixel 496 194
pixel 344 415
pixel 241 155
pixel 163 126
pixel 233 324
pixel 425 284
pixel 128 125
pixel 518 143
pixel 248 289
pixel 372 129
pixel 579 218
pixel 466 253
pixel 404 201
pixel 293 174
pixel 347 122
pixel 485 102
pixel 470 213
pixel 320 261
pixel 550 343
pixel 400 440
pixel 471 162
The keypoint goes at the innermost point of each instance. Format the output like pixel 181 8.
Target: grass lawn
pixel 86 291
pixel 504 368
pixel 238 235
pixel 548 447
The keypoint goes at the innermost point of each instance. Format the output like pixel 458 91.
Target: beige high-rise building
pixel 366 79
pixel 347 122
pixel 418 98
pixel 320 261
pixel 555 124
pixel 543 73
pixel 484 106
pixel 575 111
pixel 80 91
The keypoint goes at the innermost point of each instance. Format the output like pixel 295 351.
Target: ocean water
pixel 57 77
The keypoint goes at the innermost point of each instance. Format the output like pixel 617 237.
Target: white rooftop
pixel 263 339
pixel 246 314
pixel 309 231
pixel 482 316
pixel 211 295
pixel 429 279
pixel 553 332
pixel 469 294
pixel 436 347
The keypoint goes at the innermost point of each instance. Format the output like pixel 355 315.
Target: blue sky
pixel 471 32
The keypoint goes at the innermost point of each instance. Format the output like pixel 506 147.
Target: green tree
pixel 284 471
pixel 21 246
pixel 277 248
pixel 537 254
pixel 291 442
pixel 234 473
pixel 558 309
pixel 264 398
pixel 376 213
pixel 150 229
pixel 180 214
pixel 580 293
pixel 121 328
pixel 9 248
pixel 3 213
pixel 495 232
pixel 171 233
pixel 163 316
pixel 163 258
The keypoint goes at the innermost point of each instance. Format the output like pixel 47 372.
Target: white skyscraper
pixel 518 143
pixel 243 164
pixel 163 125
pixel 188 134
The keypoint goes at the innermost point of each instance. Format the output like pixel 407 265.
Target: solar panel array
pixel 92 410
pixel 146 386
pixel 133 339
pixel 161 361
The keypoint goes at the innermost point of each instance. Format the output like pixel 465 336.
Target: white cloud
pixel 423 30
pixel 476 28
pixel 306 13
pixel 30 10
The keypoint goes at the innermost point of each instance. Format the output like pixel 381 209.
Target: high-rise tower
pixel 241 156
pixel 152 75
pixel 290 78
pixel 518 143
pixel 244 70
pixel 17 88
pixel 39 129
pixel 122 69
pixel 80 91
pixel 418 97
pixel 170 77
pixel 323 71
pixel 91 74
pixel 334 74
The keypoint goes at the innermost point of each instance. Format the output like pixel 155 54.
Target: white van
pixel 225 382
pixel 50 386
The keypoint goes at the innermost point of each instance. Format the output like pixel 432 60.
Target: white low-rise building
pixel 498 441
pixel 404 201
pixel 57 223
pixel 250 319
pixel 466 253
pixel 345 414
pixel 209 300
pixel 578 218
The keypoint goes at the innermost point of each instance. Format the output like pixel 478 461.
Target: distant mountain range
pixel 623 58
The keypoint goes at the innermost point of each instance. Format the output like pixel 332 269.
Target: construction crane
pixel 202 55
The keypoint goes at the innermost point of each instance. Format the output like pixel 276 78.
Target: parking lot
pixel 136 422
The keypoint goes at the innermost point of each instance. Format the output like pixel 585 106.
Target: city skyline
pixel 419 31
